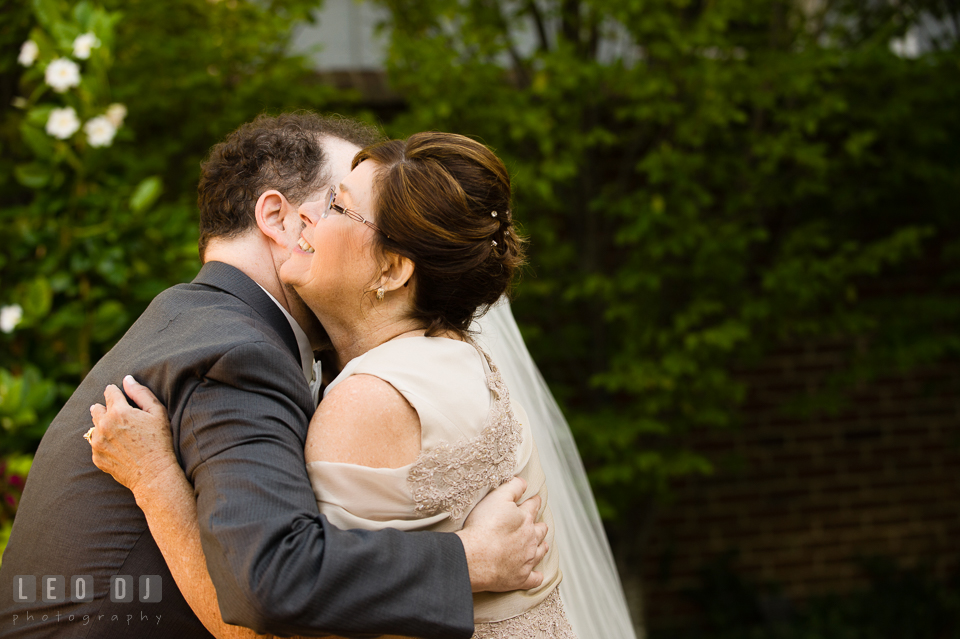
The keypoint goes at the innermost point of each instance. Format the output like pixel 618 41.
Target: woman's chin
pixel 295 271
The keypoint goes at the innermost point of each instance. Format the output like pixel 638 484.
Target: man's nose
pixel 309 215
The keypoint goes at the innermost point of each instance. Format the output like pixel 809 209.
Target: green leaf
pixel 109 321
pixel 82 14
pixel 64 317
pixel 11 392
pixel 146 194
pixel 38 141
pixel 47 12
pixel 38 116
pixel 37 298
pixel 48 48
pixel 102 23
pixel 33 175
pixel 20 464
pixel 65 33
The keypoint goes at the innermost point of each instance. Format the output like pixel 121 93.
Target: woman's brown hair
pixel 443 201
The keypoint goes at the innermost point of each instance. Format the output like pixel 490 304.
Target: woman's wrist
pixel 157 482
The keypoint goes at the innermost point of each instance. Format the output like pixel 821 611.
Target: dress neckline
pixel 348 368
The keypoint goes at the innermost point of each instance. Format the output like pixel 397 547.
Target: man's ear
pixel 397 271
pixel 273 211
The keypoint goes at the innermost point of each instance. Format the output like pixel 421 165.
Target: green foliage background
pixel 703 181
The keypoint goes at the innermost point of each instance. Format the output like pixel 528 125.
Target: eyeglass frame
pixel 353 215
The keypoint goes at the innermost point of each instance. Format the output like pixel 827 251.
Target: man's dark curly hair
pixel 282 152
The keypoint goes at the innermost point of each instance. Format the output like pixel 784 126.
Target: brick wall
pixel 800 498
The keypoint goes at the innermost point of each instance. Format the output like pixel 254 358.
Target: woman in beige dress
pixel 418 426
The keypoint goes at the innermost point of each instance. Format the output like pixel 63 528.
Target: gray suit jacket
pixel 223 359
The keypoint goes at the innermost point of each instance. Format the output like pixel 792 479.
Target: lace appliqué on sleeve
pixel 448 477
pixel 545 620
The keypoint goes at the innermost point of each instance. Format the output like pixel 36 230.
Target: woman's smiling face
pixel 335 262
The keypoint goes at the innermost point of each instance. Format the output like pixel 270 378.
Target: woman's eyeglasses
pixel 353 215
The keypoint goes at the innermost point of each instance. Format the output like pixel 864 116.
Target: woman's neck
pixel 351 340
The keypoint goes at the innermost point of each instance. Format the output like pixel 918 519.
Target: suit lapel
pixel 233 281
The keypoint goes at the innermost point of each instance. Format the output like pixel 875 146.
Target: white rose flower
pixel 10 316
pixel 83 44
pixel 100 131
pixel 63 123
pixel 28 53
pixel 116 113
pixel 62 74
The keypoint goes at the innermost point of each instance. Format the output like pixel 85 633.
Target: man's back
pixel 76 521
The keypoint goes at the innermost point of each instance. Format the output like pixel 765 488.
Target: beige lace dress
pixel 472 440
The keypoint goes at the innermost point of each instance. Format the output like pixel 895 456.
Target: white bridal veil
pixel 591 590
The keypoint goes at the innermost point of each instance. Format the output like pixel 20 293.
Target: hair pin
pixel 494 214
pixel 494 242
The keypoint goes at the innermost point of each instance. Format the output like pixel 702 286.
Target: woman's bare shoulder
pixel 364 420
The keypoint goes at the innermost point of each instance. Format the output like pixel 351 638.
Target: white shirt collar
pixel 310 368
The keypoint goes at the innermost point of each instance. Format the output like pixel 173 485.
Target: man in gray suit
pixel 231 357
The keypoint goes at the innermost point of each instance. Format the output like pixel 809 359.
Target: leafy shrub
pixel 702 182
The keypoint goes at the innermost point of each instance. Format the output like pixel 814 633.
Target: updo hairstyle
pixel 443 201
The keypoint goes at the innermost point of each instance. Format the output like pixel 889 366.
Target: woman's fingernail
pixel 129 378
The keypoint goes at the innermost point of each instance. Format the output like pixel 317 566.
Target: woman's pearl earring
pixel 380 294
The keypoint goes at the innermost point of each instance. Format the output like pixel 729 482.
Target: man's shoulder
pixel 189 330
pixel 195 311
pixel 196 295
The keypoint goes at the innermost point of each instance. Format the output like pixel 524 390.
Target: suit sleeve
pixel 278 566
